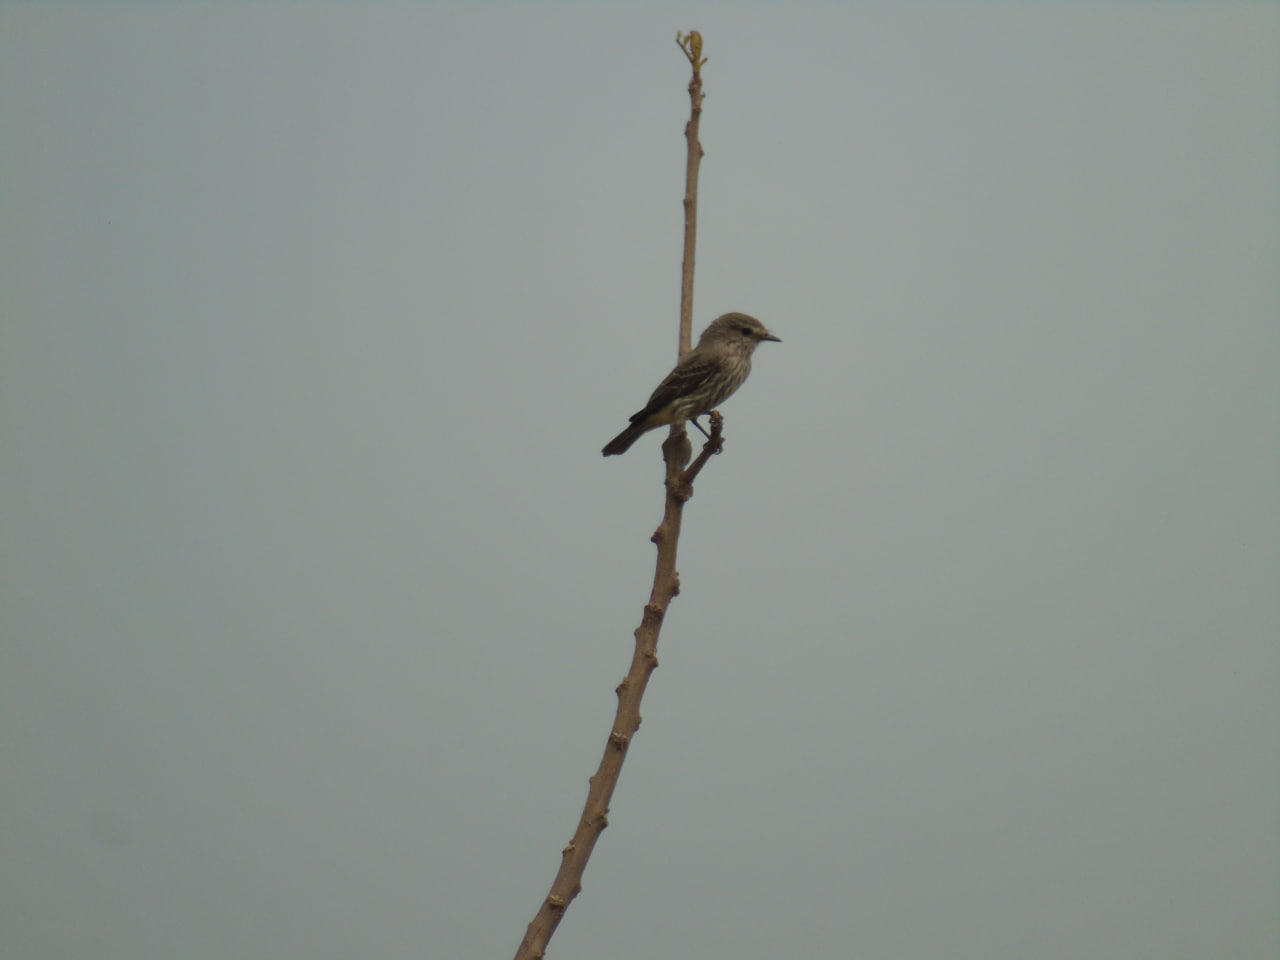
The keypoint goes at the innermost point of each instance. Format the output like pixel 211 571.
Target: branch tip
pixel 691 44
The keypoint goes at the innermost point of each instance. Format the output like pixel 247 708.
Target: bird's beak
pixel 769 336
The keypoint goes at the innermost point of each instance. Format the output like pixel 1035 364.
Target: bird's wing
pixel 689 374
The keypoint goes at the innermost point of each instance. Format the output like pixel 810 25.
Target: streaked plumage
pixel 706 377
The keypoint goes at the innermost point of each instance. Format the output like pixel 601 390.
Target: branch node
pixel 676 448
pixel 619 741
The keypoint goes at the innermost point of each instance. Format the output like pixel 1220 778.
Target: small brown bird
pixel 705 378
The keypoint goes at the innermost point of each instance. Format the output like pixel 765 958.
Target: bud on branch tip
pixel 691 44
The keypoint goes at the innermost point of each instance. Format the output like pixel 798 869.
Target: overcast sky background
pixel 315 587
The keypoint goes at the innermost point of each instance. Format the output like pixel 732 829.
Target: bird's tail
pixel 623 441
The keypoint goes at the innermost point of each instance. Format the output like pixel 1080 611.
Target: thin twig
pixel 714 445
pixel 691 44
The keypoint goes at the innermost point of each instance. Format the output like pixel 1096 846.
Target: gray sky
pixel 313 320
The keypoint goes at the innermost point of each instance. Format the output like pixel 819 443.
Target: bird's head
pixel 738 329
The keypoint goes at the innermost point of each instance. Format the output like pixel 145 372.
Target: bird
pixel 704 378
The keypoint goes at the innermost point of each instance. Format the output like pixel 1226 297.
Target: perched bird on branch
pixel 706 377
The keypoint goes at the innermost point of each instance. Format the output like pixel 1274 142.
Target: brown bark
pixel 676 451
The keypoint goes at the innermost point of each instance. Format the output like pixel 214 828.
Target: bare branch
pixel 676 452
pixel 692 47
